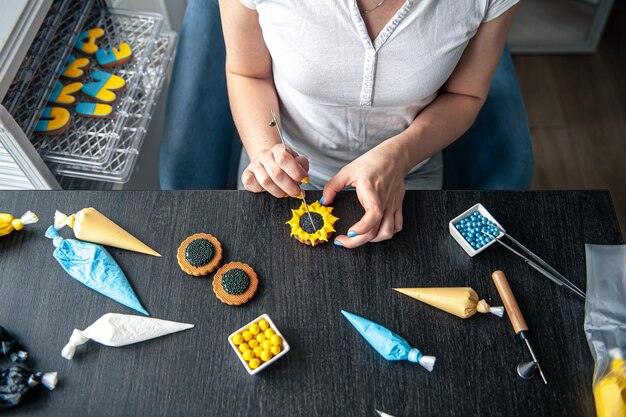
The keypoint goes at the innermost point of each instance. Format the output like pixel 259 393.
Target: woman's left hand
pixel 378 177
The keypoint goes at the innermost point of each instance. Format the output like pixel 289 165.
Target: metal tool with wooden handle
pixel 519 324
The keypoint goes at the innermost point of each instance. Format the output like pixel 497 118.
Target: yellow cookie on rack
pixel 104 87
pixel 53 120
pixel 75 67
pixel 114 56
pixel 63 95
pixel 95 110
pixel 88 40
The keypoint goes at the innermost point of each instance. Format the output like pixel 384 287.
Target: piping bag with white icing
pixel 121 330
pixel 93 266
pixel 92 226
pixel 463 302
pixel 388 344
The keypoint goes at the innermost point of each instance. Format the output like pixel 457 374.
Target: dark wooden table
pixel 330 369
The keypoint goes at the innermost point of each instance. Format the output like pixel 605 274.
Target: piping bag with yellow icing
pixel 121 330
pixel 8 223
pixel 92 226
pixel 463 302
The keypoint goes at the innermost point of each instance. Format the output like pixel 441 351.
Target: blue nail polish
pixel 337 243
pixel 352 234
pixel 322 200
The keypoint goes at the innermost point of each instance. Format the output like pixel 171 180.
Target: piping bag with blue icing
pixel 93 266
pixel 390 346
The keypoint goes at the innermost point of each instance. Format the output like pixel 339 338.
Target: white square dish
pixel 459 237
pixel 263 365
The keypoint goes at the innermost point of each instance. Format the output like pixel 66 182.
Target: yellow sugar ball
pixel 253 343
pixel 254 329
pixel 263 324
pixel 237 339
pixel 267 345
pixel 260 338
pixel 276 350
pixel 266 355
pixel 243 347
pixel 257 351
pixel 246 335
pixel 269 333
pixel 254 363
pixel 276 340
pixel 248 354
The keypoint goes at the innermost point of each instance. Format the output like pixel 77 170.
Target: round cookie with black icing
pixel 315 229
pixel 199 254
pixel 235 283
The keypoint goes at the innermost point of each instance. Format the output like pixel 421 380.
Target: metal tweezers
pixel 537 263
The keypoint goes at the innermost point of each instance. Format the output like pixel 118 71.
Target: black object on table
pixel 330 369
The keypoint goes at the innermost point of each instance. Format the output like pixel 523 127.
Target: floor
pixel 577 110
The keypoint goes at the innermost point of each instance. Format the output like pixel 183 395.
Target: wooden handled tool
pixel 517 321
pixel 510 304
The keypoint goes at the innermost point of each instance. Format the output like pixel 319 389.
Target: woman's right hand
pixel 277 170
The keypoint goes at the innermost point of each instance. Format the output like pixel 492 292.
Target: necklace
pixel 373 8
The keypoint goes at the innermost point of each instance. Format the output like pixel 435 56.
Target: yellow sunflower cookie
pixel 199 254
pixel 312 233
pixel 235 283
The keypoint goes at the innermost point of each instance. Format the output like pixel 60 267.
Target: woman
pixel 369 93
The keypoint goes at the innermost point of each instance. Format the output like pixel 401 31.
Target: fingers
pixel 376 225
pixel 332 187
pixel 278 171
pixel 265 180
pixel 398 220
pixel 373 212
pixel 250 183
pixel 386 228
pixel 285 159
pixel 280 178
pixel 304 163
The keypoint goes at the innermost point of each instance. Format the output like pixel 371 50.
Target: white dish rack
pixel 95 149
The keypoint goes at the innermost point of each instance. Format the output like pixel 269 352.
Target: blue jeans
pixel 200 149
pixel 199 130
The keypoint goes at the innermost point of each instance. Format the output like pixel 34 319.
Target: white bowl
pixel 263 364
pixel 459 237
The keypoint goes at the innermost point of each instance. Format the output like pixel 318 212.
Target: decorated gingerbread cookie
pixel 235 283
pixel 63 95
pixel 199 254
pixel 96 110
pixel 88 40
pixel 315 229
pixel 113 56
pixel 75 67
pixel 104 86
pixel 53 120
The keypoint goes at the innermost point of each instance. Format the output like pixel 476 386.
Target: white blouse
pixel 342 94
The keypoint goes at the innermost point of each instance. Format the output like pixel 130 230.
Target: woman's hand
pixel 277 170
pixel 378 177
